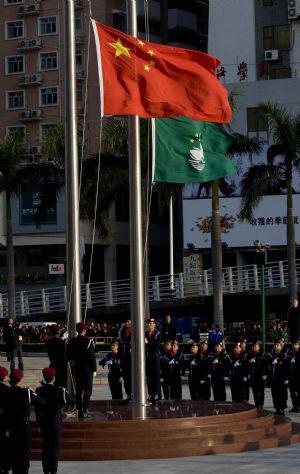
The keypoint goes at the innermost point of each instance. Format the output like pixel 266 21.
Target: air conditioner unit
pixel 271 55
pixel 293 9
pixel 35 150
pixel 34 113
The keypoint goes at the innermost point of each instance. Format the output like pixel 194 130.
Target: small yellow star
pixel 141 43
pixel 150 52
pixel 120 49
pixel 192 140
pixel 197 135
pixel 152 63
pixel 147 68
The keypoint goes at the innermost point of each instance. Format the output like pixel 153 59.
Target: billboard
pixel 268 224
pixel 29 202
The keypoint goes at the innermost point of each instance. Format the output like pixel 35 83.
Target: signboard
pixel 56 269
pixel 192 266
pixel 29 202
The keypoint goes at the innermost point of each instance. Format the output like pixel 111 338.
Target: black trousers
pixel 218 388
pixel 5 457
pixel 294 387
pixel 12 354
pixel 127 379
pixel 165 384
pixel 153 376
pixel 279 395
pixel 115 386
pixel 20 436
pixel 175 387
pixel 84 389
pixel 199 391
pixel 258 390
pixel 237 390
pixel 51 441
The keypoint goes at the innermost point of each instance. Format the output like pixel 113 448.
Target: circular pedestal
pixel 169 429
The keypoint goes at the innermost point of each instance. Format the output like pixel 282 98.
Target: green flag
pixel 188 151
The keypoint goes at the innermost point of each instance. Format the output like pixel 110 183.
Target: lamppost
pixel 262 260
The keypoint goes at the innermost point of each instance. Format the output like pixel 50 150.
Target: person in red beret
pixel 81 352
pixel 5 458
pixel 56 348
pixel 18 401
pixel 49 418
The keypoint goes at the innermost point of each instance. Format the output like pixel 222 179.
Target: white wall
pixel 231 36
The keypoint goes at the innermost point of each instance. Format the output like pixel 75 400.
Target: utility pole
pixel 72 182
pixel 171 242
pixel 136 244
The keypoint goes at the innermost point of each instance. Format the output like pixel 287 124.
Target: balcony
pixel 33 9
pixel 78 39
pixel 30 44
pixel 80 76
pixel 33 151
pixel 31 115
pixel 31 80
pixel 78 4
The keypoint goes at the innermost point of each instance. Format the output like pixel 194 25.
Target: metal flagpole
pixel 71 164
pixel 171 242
pixel 136 246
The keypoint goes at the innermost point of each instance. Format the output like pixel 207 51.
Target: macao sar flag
pixel 188 151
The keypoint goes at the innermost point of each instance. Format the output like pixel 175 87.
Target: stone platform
pixel 170 429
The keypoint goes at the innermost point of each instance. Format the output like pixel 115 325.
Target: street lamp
pixel 262 260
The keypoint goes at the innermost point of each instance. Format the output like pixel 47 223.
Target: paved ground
pixel 274 461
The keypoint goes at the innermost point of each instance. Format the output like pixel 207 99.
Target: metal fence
pixel 160 288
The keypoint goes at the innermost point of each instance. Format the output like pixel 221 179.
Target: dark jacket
pixel 81 351
pixel 168 331
pixel 293 321
pixel 56 348
pixel 17 404
pixel 55 399
pixel 12 337
pixel 114 363
pixel 153 344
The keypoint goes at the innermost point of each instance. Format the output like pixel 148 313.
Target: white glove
pixel 293 360
pixel 172 362
pixel 202 382
pixel 264 377
pixel 252 361
pixel 94 374
pixel 275 361
pixel 216 361
pixel 245 379
pixel 236 364
pixel 209 376
pixel 20 338
pixel 226 379
pixel 161 380
pixel 146 340
pixel 286 382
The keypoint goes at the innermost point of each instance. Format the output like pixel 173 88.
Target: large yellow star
pixel 120 49
pixel 141 43
pixel 147 68
pixel 150 52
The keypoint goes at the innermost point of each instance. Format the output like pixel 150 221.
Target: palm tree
pixel 259 179
pixel 14 173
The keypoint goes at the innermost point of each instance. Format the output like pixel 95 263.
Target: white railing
pixel 244 279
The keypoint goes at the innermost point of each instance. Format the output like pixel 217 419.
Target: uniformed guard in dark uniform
pixel 80 350
pixel 56 348
pixel 164 362
pixel 192 363
pixel 114 362
pixel 49 419
pixel 218 372
pixel 205 389
pixel 276 365
pixel 17 408
pixel 256 374
pixel 5 458
pixel 152 340
pixel 293 371
pixel 174 368
pixel 125 337
pixel 244 353
pixel 238 377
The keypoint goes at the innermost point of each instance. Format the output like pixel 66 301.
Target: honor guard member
pixel 244 353
pixel 164 362
pixel 174 361
pixel 276 365
pixel 56 348
pixel 205 390
pixel 256 374
pixel 114 362
pixel 192 364
pixel 125 337
pixel 238 377
pixel 218 365
pixel 18 400
pixel 5 458
pixel 49 419
pixel 152 341
pixel 293 370
pixel 80 350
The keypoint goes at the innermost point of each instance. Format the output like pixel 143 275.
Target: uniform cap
pixel 81 327
pixel 54 328
pixel 49 372
pixel 150 320
pixel 16 374
pixel 3 372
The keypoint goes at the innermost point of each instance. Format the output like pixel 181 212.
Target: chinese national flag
pixel 153 80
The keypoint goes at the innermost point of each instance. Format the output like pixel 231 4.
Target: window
pixel 47 25
pixel 79 58
pixel 79 92
pixel 12 2
pixel 49 96
pixel 268 3
pixel 15 99
pixel 46 128
pixel 48 61
pixel 277 37
pixel 78 22
pixel 255 121
pixel 17 129
pixel 14 29
pixel 14 64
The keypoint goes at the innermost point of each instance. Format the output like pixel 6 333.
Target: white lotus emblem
pixel 197 159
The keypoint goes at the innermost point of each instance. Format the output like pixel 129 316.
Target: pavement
pixel 272 461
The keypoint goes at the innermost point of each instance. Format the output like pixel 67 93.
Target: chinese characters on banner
pixel 192 266
pixel 242 71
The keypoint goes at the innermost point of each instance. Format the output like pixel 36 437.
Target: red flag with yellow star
pixel 152 80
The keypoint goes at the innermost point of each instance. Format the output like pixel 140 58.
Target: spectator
pixel 13 338
pixel 168 329
pixel 293 321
